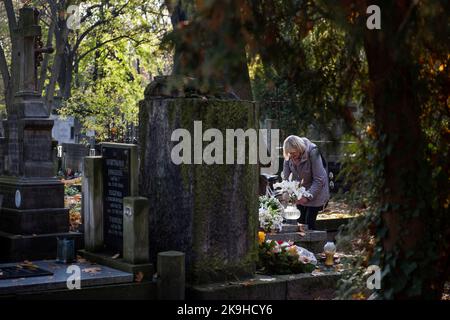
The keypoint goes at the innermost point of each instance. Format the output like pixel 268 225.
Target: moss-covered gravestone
pixel 208 212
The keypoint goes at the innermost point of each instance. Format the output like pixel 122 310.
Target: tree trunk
pixel 409 242
pixel 51 31
pixel 65 74
pixel 61 36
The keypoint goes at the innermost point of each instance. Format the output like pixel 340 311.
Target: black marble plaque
pixel 116 186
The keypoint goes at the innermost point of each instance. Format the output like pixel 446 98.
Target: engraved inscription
pixel 116 186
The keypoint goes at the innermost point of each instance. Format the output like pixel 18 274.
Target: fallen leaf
pixel 115 256
pixel 27 264
pixel 358 296
pixel 139 276
pixel 81 260
pixel 92 270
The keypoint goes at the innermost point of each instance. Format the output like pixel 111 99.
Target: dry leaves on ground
pixel 27 264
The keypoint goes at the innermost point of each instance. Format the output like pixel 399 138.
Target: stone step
pixel 108 259
pixel 312 240
pixel 289 228
pixel 308 236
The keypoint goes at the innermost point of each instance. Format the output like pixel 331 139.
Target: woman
pixel 303 160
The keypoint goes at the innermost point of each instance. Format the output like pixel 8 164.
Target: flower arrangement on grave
pixel 281 257
pixel 270 214
pixel 292 191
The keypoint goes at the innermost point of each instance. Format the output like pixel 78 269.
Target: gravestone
pixel 116 219
pixel 33 212
pixel 119 181
pixel 209 212
pixel 73 155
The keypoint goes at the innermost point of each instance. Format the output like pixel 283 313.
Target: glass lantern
pixel 329 249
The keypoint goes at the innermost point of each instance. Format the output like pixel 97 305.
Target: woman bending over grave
pixel 304 161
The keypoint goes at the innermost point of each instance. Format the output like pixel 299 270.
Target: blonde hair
pixel 293 143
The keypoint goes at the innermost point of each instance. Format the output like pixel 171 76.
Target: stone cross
pixel 30 49
pixel 29 128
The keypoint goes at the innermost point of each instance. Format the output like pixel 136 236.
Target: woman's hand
pixel 302 201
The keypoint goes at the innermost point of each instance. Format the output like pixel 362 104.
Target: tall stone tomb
pixel 32 213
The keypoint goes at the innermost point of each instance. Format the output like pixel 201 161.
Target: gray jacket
pixel 314 175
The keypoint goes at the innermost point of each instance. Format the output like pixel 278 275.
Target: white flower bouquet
pixel 294 189
pixel 270 214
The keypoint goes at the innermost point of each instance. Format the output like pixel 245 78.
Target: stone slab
pixel 288 228
pixel 308 236
pixel 265 287
pixel 103 276
pixel 106 259
pixel 308 287
pixel 31 247
pixel 145 290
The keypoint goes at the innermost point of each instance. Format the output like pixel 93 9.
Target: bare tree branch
pixel 89 12
pixel 115 14
pixel 61 35
pixel 12 22
pixel 101 44
pixel 51 31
